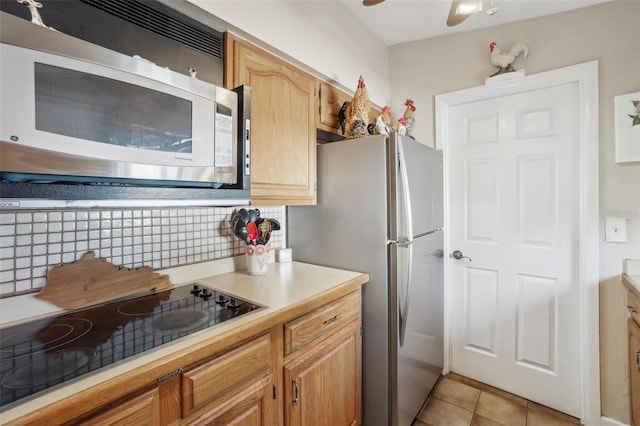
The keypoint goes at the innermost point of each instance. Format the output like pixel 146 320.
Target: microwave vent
pixel 150 18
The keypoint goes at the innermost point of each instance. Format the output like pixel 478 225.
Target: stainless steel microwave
pixel 76 114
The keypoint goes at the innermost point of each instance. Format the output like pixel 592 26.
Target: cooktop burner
pixel 40 354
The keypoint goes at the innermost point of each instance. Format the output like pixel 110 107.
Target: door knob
pixel 457 254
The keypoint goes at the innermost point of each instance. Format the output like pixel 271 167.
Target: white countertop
pixel 283 286
pixel 632 282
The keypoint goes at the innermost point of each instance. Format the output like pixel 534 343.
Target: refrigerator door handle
pixel 404 305
pixel 404 179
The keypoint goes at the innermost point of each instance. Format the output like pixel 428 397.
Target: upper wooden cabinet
pixel 329 100
pixel 283 127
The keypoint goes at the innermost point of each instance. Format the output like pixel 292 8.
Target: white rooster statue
pixel 504 61
pixel 409 116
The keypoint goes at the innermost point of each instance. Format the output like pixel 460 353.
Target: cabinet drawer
pixel 141 410
pixel 226 375
pixel 633 302
pixel 321 321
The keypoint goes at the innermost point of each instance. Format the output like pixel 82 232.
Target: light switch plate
pixel 615 229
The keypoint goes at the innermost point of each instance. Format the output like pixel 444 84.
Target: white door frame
pixel 586 76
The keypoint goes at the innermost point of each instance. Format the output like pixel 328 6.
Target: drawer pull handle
pixel 296 385
pixel 632 309
pixel 170 375
pixel 332 319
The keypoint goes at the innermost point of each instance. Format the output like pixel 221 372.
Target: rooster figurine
pixel 382 125
pixel 386 117
pixel 357 112
pixel 401 126
pixel 342 116
pixel 408 116
pixel 504 61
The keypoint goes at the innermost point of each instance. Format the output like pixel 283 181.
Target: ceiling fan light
pixel 469 7
pixel 371 2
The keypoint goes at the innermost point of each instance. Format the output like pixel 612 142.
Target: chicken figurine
pixel 342 116
pixel 504 61
pixel 408 116
pixel 383 122
pixel 386 117
pixel 357 112
pixel 401 126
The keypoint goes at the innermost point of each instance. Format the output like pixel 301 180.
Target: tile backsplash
pixel 31 241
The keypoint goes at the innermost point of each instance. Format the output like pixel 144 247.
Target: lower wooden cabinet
pixel 231 388
pixel 302 369
pixel 140 411
pixel 253 406
pixel 322 385
pixel 634 371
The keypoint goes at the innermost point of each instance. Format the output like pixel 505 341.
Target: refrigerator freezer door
pixel 423 168
pixel 420 359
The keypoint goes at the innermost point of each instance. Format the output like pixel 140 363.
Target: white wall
pixel 321 35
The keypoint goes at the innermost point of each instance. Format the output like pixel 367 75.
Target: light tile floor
pixel 459 401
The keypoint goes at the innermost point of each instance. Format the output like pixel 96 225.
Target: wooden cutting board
pixel 91 281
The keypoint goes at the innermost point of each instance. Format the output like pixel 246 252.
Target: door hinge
pixel 275 392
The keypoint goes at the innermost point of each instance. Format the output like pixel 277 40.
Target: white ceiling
pixel 399 21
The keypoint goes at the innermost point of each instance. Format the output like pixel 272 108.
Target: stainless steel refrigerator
pixel 380 211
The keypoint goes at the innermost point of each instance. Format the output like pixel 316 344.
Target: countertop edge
pixel 632 282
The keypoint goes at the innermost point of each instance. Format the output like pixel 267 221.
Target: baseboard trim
pixel 606 421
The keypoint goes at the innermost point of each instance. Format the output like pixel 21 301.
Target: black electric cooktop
pixel 37 355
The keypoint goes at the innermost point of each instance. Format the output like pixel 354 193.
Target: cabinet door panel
pixel 225 376
pixel 253 407
pixel 322 387
pixel 138 411
pixel 321 321
pixel 634 371
pixel 283 135
pixel 330 101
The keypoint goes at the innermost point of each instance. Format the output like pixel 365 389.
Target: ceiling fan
pixel 459 11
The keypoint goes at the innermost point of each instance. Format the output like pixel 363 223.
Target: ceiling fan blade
pixel 371 2
pixel 455 18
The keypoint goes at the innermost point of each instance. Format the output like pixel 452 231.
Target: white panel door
pixel 514 191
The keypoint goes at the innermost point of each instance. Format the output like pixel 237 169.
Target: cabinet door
pixel 250 408
pixel 223 381
pixel 634 371
pixel 283 128
pixel 139 411
pixel 330 100
pixel 322 385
